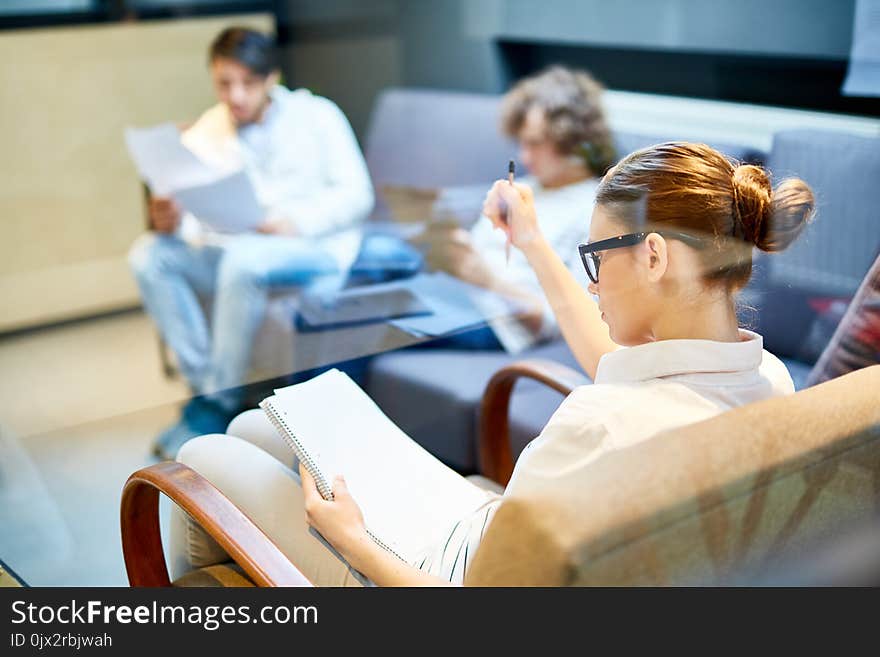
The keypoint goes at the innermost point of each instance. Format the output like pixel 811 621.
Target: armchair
pixel 253 553
pixel 710 499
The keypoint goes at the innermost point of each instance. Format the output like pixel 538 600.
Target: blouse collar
pixel 664 358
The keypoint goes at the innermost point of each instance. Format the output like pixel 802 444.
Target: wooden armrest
pixel 496 458
pixel 245 543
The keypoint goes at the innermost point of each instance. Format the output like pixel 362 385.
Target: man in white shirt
pixel 308 172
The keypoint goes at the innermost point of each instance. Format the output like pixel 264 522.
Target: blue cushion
pixel 384 258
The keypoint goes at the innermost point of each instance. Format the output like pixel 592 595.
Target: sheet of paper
pixel 407 496
pixel 227 202
pixel 457 305
pixel 228 205
pixel 164 162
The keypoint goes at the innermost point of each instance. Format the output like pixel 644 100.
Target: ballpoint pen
pixel 511 170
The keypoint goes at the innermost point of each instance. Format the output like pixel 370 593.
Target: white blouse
pixel 638 392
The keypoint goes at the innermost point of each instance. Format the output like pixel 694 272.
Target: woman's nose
pixel 593 288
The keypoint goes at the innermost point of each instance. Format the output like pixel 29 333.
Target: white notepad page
pixel 408 497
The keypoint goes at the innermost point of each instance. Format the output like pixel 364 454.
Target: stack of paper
pixel 227 202
pixel 456 306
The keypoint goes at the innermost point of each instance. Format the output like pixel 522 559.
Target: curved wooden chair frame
pixel 245 543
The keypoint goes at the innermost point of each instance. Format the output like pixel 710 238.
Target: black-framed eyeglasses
pixel 592 261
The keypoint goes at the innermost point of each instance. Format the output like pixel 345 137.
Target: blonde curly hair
pixel 572 104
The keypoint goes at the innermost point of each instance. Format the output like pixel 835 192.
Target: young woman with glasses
pixel 671 242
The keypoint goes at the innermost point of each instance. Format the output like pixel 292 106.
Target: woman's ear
pixel 658 257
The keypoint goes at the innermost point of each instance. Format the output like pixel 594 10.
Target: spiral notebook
pixel 409 498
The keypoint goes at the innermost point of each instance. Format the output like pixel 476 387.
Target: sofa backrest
pixel 704 503
pixel 427 139
pixel 627 142
pixel 832 255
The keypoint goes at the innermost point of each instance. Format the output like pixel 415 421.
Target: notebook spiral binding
pixel 324 488
pixel 290 438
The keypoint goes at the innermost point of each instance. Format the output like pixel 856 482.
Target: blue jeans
pixel 171 273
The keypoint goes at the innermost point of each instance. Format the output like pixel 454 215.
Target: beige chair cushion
pixel 698 504
pixel 227 574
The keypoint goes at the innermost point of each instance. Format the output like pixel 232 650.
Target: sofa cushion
pixel 828 261
pixel 383 258
pixel 225 575
pixel 796 323
pixel 833 254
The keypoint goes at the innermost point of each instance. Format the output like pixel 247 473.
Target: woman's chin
pixel 624 339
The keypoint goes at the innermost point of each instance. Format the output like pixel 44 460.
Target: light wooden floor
pixel 77 373
pixel 79 407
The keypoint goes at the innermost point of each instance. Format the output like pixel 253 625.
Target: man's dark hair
pixel 248 47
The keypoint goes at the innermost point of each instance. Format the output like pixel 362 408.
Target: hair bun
pixel 770 218
pixel 751 196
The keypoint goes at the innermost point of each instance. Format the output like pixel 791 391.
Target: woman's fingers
pixel 491 206
pixel 511 208
pixel 525 192
pixel 508 193
pixel 495 208
pixel 340 488
pixel 310 490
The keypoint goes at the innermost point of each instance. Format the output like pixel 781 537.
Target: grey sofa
pixel 801 294
pixel 428 138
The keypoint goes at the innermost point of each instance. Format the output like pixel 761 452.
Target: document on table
pixel 456 305
pixel 226 201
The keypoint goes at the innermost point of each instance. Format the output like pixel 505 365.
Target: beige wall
pixel 70 200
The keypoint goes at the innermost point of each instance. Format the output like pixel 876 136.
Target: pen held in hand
pixel 511 171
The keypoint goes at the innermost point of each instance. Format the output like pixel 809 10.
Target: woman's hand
pixel 339 521
pixel 512 209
